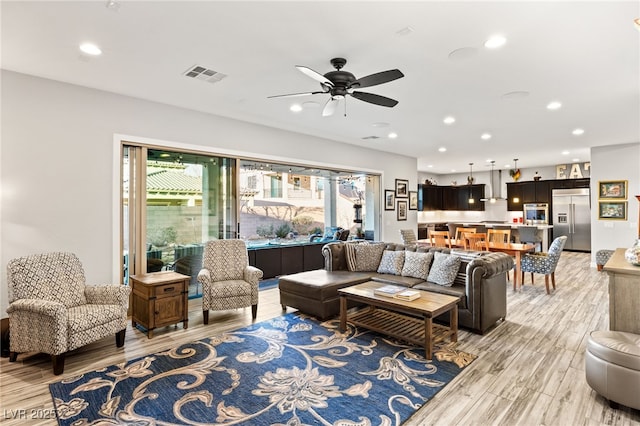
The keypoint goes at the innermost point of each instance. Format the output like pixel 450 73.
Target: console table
pixel 624 293
pixel 159 299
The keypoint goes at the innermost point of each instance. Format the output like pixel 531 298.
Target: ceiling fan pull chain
pixel 345 106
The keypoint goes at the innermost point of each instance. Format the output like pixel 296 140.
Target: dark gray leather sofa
pixel 481 285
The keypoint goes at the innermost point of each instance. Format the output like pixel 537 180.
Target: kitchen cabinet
pixel 431 197
pixel 474 191
pixel 452 197
pixel 539 191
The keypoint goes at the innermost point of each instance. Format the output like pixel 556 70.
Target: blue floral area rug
pixel 291 370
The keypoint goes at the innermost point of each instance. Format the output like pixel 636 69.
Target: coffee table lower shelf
pixel 404 327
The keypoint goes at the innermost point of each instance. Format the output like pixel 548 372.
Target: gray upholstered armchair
pixel 544 263
pixel 228 281
pixel 51 309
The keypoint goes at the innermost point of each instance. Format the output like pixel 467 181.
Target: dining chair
pixel 476 241
pixel 544 263
pixel 408 237
pixel 529 234
pixel 499 235
pixel 460 233
pixel 440 239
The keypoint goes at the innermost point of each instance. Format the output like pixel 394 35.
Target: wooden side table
pixel 159 299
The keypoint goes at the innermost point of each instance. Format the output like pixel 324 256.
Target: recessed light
pixel 453 170
pixel 295 108
pixel 449 120
pixel 495 41
pixel 392 135
pixel 112 5
pixel 565 153
pixel 577 132
pixel 310 104
pixel 554 105
pixel 506 166
pixel 380 124
pixel 575 160
pixel 485 136
pixel 430 166
pixel 90 49
pixel 442 149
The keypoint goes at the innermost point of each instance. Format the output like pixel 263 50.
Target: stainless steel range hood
pixel 492 198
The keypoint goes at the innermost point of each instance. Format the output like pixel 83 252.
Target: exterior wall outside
pixel 59 174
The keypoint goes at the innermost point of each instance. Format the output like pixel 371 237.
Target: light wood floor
pixel 529 371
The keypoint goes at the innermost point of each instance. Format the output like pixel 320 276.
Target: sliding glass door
pixel 172 203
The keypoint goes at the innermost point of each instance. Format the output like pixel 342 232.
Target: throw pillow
pixel 368 257
pixel 350 255
pixel 444 269
pixel 391 262
pixel 416 264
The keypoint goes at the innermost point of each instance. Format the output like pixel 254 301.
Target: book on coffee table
pixel 407 295
pixel 388 290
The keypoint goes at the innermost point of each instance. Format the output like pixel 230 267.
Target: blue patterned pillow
pixel 444 269
pixel 416 264
pixel 391 262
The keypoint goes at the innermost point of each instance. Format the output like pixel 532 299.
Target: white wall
pixel 618 162
pixel 58 174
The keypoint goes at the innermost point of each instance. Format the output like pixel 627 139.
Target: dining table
pixel 516 250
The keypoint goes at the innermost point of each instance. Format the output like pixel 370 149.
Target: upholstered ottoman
pixel 612 366
pixel 316 292
pixel 602 257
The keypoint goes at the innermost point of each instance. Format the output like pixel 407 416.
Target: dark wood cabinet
pixel 431 197
pixel 452 197
pixel 159 299
pixel 449 198
pixel 285 259
pixel 539 191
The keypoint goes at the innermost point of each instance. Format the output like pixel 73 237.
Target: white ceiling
pixel 583 54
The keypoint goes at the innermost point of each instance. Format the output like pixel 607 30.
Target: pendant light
pixel 470 182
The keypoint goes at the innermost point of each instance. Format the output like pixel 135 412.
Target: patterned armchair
pixel 544 263
pixel 227 279
pixel 52 310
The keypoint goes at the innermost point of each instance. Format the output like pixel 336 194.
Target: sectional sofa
pixel 478 278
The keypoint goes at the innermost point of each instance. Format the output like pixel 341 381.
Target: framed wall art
pixel 612 210
pixel 413 200
pixel 402 209
pixel 612 189
pixel 389 199
pixel 402 188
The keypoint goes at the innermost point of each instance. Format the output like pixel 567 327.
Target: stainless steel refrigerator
pixel 572 217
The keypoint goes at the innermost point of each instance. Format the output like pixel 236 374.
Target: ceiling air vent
pixel 371 137
pixel 205 74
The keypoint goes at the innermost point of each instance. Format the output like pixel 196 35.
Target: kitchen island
pixel 543 229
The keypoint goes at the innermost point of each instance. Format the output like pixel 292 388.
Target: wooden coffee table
pixel 411 321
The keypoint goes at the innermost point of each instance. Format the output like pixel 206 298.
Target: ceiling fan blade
pixel 330 107
pixel 375 99
pixel 315 75
pixel 293 95
pixel 377 78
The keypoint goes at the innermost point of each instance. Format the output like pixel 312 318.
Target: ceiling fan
pixel 339 84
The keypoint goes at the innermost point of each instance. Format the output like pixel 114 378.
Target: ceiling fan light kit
pixel 339 84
